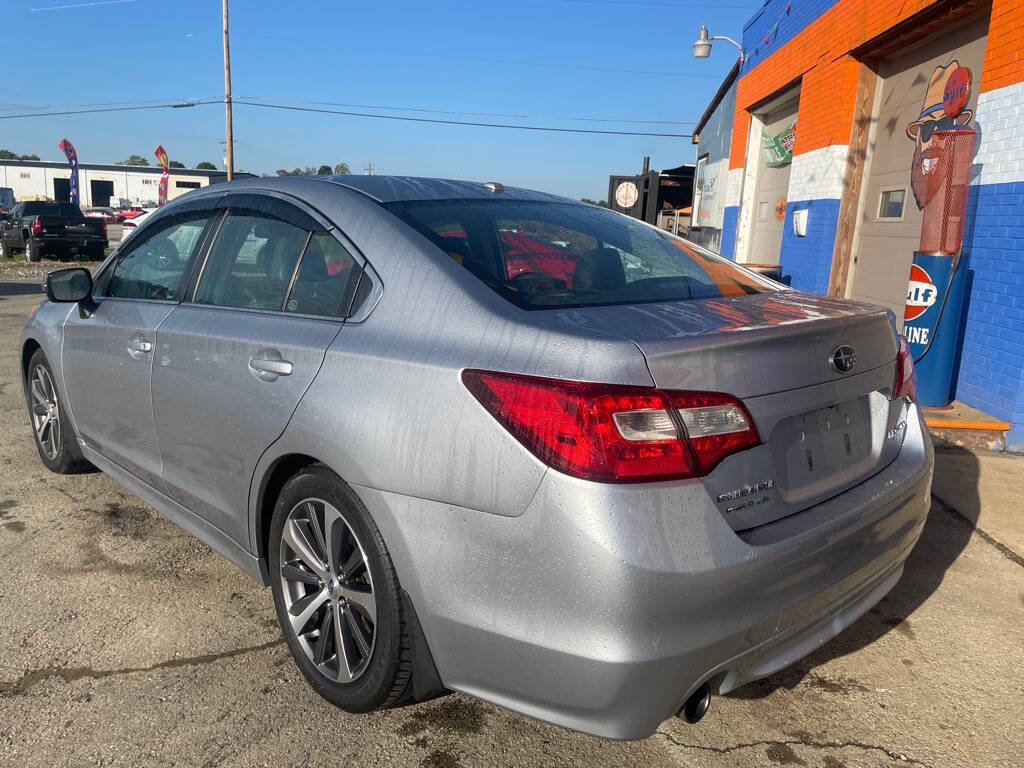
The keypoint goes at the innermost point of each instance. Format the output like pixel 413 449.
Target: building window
pixel 890 204
pixel 186 185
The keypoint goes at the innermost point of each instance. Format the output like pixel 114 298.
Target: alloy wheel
pixel 45 411
pixel 328 590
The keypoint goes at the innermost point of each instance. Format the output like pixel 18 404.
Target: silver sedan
pixel 489 440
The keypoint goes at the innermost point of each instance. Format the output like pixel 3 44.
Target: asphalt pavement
pixel 125 642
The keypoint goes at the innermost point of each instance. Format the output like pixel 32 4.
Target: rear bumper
pixel 602 608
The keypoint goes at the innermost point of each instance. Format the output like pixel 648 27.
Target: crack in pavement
pixel 799 740
pixel 960 517
pixel 70 674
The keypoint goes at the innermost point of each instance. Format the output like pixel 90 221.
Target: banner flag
pixel 69 152
pixel 161 156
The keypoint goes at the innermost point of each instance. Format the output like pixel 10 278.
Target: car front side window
pixel 154 267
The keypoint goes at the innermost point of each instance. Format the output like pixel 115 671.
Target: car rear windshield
pixel 542 255
pixel 64 210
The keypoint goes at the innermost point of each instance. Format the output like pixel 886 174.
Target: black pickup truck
pixel 52 228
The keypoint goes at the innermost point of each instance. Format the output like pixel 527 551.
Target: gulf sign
pixel 921 293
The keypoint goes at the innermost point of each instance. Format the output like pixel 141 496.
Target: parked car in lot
pixel 41 228
pixel 595 504
pixel 101 212
pixel 130 225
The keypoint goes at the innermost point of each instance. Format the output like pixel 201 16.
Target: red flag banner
pixel 161 156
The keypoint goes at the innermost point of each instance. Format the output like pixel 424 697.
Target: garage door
pixel 775 160
pixel 909 107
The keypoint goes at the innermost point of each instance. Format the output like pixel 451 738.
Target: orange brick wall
pixel 819 58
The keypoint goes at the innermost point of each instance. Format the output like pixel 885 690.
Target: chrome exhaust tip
pixel 697 705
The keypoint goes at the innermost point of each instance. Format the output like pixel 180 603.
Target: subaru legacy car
pixel 595 490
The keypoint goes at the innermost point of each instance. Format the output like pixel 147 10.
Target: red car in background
pixel 527 255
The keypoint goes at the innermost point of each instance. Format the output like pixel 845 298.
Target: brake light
pixel 905 382
pixel 37 226
pixel 614 433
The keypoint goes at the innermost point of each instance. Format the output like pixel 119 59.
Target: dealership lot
pixel 126 642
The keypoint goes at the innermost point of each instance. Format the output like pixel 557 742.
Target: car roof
pixel 389 189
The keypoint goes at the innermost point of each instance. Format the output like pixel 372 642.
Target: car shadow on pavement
pixel 946 534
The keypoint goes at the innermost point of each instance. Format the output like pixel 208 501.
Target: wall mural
pixel 943 109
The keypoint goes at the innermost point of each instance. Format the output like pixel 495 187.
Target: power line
pixel 436 111
pixel 172 105
pixel 476 124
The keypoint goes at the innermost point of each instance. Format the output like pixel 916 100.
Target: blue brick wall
pixel 801 13
pixel 808 260
pixel 991 373
pixel 730 216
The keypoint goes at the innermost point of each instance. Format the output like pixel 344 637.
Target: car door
pixel 235 359
pixel 10 229
pixel 108 350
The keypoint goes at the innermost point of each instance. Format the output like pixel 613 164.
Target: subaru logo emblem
pixel 843 358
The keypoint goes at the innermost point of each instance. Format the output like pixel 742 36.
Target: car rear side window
pixel 154 265
pixel 252 262
pixel 326 279
pixel 545 255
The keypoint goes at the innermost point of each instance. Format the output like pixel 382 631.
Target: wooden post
pixel 230 151
pixel 849 208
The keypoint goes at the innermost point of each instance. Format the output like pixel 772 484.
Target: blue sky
pixel 548 60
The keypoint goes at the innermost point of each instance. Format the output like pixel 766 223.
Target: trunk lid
pixel 822 429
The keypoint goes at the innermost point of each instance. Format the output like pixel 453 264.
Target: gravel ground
pixel 18 270
pixel 124 642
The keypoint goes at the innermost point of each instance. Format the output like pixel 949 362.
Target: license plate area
pixel 823 447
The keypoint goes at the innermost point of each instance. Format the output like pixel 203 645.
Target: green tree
pixel 323 170
pixel 6 154
pixel 133 160
pixel 342 169
pixel 601 203
pixel 176 164
pixel 206 166
pixel 29 157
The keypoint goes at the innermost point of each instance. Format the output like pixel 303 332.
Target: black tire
pixel 32 251
pixel 62 454
pixel 386 678
pixel 95 253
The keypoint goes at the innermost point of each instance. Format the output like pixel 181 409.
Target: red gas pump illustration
pixel 940 179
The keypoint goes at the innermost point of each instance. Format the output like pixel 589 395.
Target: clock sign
pixel 626 194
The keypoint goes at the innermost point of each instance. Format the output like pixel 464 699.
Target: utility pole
pixel 229 154
pixel 369 169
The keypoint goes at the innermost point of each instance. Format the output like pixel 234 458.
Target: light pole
pixel 229 155
pixel 702 46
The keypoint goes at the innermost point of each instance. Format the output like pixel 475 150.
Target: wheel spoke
pixel 335 534
pixel 296 538
pixel 320 651
pixel 302 610
pixel 37 390
pixel 344 666
pixel 318 535
pixel 294 573
pixel 352 564
pixel 42 427
pixel 362 600
pixel 356 630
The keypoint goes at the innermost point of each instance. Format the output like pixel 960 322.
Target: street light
pixel 702 46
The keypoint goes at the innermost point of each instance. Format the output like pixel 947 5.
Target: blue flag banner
pixel 69 151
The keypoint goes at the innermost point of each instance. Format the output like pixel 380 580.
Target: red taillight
pixel 905 381
pixel 37 226
pixel 613 433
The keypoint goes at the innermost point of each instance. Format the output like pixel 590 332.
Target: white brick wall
pixel 818 174
pixel 1000 121
pixel 733 187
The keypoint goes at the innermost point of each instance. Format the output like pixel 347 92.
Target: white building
pixel 99 183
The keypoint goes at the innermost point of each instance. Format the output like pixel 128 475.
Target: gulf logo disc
pixel 921 293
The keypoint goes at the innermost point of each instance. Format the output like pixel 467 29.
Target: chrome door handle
pixel 139 347
pixel 267 366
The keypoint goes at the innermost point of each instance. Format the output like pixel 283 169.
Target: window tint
pixel 542 255
pixel 153 266
pixel 251 263
pixel 326 279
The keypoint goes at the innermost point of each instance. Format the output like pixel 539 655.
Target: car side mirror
pixel 69 285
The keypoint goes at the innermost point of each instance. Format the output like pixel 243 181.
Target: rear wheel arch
pixel 27 350
pixel 273 480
